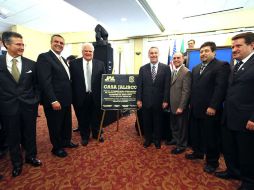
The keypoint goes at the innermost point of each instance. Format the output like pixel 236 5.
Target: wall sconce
pixel 138 53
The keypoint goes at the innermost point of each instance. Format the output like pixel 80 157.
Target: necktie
pixel 14 70
pixel 237 66
pixel 174 74
pixel 88 77
pixel 202 68
pixel 66 67
pixel 153 73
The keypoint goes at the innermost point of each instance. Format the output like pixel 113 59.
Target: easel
pixel 102 120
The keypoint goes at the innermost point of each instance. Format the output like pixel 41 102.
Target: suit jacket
pixel 13 93
pixel 180 90
pixel 54 82
pixel 209 88
pixel 153 94
pixel 78 81
pixel 239 101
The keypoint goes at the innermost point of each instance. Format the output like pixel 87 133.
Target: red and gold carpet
pixel 119 163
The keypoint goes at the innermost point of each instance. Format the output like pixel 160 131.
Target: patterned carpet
pixel 119 163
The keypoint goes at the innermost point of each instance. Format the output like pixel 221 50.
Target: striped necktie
pixel 153 73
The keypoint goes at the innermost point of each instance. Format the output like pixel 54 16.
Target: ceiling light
pixel 152 15
pixel 123 19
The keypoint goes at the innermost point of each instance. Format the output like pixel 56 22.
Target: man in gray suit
pixel 179 97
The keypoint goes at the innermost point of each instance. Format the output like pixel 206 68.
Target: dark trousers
pixel 152 120
pixel 238 154
pixel 205 138
pixel 21 129
pixel 89 116
pixel 59 125
pixel 179 127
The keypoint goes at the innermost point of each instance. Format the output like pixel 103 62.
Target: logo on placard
pixel 131 79
pixel 110 79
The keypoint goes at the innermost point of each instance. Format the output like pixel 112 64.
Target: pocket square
pixel 29 71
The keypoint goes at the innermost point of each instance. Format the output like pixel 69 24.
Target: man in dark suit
pixel 179 103
pixel 86 74
pixel 18 102
pixel 153 96
pixel 55 85
pixel 209 82
pixel 238 134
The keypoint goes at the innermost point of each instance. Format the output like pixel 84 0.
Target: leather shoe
pixel 172 142
pixel 147 144
pixel 157 144
pixel 242 187
pixel 101 139
pixel 59 153
pixel 76 129
pixel 1 176
pixel 16 171
pixel 225 175
pixel 84 142
pixel 33 162
pixel 194 156
pixel 210 169
pixel 71 145
pixel 177 150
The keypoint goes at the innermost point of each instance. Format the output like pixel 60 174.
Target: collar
pixel 9 58
pixel 156 64
pixel 248 57
pixel 57 55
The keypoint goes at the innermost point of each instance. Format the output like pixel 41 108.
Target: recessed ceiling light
pixel 123 19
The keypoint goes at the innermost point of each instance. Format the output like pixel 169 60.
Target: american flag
pixel 170 57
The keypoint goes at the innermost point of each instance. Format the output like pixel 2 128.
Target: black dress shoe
pixel 1 176
pixel 101 139
pixel 71 145
pixel 172 142
pixel 194 156
pixel 84 142
pixel 147 144
pixel 59 153
pixel 16 171
pixel 177 150
pixel 210 169
pixel 157 144
pixel 76 129
pixel 33 162
pixel 225 175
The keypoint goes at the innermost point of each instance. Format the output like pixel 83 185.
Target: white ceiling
pixel 126 18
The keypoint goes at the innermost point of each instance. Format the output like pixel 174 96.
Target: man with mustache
pixel 238 130
pixel 209 82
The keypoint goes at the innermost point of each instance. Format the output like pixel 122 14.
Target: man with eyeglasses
pixel 18 102
pixel 56 97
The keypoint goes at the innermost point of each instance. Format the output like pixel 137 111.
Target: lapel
pixel 159 70
pixel 59 63
pixel 80 66
pixel 246 66
pixel 179 73
pixel 207 68
pixel 93 71
pixel 24 69
pixel 3 67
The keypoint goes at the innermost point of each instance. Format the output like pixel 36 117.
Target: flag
pixel 182 47
pixel 170 57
